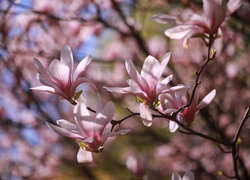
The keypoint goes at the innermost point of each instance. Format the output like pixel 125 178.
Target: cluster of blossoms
pixel 195 25
pixel 150 88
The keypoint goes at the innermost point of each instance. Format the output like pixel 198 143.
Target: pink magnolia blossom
pixel 148 85
pixel 88 129
pixel 171 102
pixel 187 176
pixel 195 25
pixel 61 78
pixel 136 165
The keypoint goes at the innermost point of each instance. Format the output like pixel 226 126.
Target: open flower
pixel 88 129
pixel 187 176
pixel 195 25
pixel 148 85
pixel 171 102
pixel 61 78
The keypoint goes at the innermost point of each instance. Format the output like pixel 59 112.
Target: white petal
pixel 207 100
pixel 151 71
pixel 104 117
pixel 81 67
pixel 84 156
pixel 173 126
pixel 163 83
pixel 67 56
pixel 146 115
pixel 133 73
pixel 83 119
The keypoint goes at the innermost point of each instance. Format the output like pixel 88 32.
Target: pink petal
pixel 81 67
pixel 207 100
pixel 84 156
pixel 67 125
pixel 60 72
pixel 79 81
pixel 175 89
pixel 175 176
pixel 163 83
pixel 164 18
pixel 83 119
pixel 178 32
pixel 133 73
pixel 232 6
pixel 188 176
pixel 194 31
pixel 67 58
pixel 106 135
pixel 164 62
pixel 215 13
pixel 44 88
pixel 44 73
pixel 150 71
pixel 104 117
pixel 146 115
pixel 63 131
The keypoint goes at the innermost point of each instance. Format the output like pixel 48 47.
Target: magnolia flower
pixel 171 102
pixel 187 176
pixel 61 78
pixel 88 129
pixel 148 85
pixel 136 165
pixel 195 25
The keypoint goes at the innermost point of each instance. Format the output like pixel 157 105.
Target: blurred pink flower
pixel 187 176
pixel 61 78
pixel 171 102
pixel 195 25
pixel 147 86
pixel 88 129
pixel 136 165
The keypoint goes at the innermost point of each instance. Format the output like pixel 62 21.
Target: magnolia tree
pixel 138 104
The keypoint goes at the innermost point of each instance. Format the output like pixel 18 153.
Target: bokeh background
pixel 112 30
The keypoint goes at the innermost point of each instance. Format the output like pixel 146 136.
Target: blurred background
pixel 111 31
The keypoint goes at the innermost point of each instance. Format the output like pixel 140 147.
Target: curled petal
pixel 84 156
pixel 207 100
pixel 81 67
pixel 146 115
